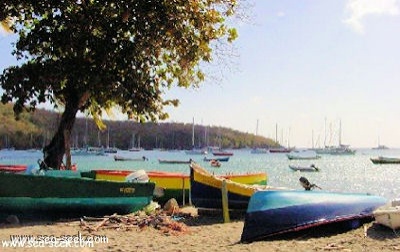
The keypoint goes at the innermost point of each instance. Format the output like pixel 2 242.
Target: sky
pixel 300 71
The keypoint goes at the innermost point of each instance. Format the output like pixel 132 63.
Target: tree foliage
pixel 90 55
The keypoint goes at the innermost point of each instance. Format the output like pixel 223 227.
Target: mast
pixel 257 128
pixel 193 133
pixel 340 132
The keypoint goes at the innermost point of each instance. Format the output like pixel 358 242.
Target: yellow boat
pixel 206 189
pixel 175 185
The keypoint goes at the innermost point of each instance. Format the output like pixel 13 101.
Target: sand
pixel 208 233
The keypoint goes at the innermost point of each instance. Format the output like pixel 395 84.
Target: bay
pixel 353 173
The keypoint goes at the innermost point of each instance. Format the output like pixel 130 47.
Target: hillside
pixel 34 130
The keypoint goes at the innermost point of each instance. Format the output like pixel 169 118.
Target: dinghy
pixel 389 214
pixel 311 168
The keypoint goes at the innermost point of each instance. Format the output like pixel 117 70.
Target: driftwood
pixel 164 221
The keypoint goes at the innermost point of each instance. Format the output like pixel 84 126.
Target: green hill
pixel 34 130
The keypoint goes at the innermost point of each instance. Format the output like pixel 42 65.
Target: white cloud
pixel 359 9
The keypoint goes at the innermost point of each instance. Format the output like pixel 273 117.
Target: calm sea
pixel 355 173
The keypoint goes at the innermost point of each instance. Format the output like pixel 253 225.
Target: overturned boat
pixel 271 213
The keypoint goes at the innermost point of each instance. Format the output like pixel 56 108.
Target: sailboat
pixel 109 149
pixel 195 151
pixel 341 149
pixel 133 144
pixel 380 146
pixel 279 149
pixel 257 150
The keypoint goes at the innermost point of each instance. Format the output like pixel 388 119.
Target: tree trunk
pixel 54 152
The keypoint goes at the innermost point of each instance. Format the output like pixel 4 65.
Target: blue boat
pixel 272 213
pixel 220 159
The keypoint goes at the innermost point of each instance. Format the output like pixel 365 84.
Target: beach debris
pixel 171 206
pixel 165 221
pixel 333 246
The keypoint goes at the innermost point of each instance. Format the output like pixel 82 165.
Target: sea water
pixel 352 173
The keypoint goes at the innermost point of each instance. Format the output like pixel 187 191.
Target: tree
pixel 92 55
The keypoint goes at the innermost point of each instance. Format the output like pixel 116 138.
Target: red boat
pixel 12 168
pixel 22 168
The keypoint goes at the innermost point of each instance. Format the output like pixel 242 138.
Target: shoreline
pixel 207 232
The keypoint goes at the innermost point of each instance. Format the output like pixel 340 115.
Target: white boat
pixel 303 155
pixel 389 214
pixel 311 168
pixel 195 151
pixel 259 151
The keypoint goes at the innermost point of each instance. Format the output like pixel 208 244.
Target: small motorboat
pixel 389 214
pixel 311 168
pixel 215 163
pixel 121 158
pixel 385 160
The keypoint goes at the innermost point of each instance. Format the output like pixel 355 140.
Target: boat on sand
pixel 389 214
pixel 205 190
pixel 176 185
pixel 67 193
pixel 271 213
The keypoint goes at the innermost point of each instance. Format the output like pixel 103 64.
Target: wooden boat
pixel 121 158
pixel 176 185
pixel 311 168
pixel 205 190
pixel 385 160
pixel 220 159
pixel 67 193
pixel 271 212
pixel 12 168
pixel 389 214
pixel 164 161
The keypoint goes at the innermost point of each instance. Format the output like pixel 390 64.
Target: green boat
pixel 66 194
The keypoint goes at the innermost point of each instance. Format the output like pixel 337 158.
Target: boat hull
pixel 175 185
pixel 12 168
pixel 389 215
pixel 71 194
pixel 303 169
pixel 385 160
pixel 206 192
pixel 276 212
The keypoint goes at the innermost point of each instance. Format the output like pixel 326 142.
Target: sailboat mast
pixel 340 132
pixel 257 128
pixel 193 133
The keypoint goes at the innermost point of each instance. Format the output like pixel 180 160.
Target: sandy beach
pixel 204 233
